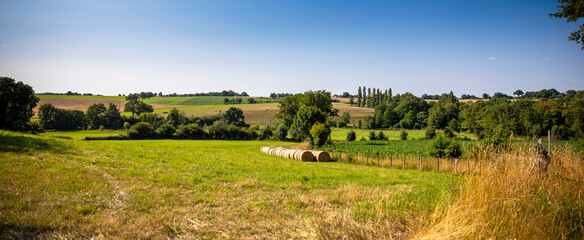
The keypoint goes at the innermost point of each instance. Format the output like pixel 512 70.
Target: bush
pixel 141 130
pixel 403 135
pixel 116 137
pixel 448 132
pixel 166 131
pixel 126 125
pixel 320 135
pixel 561 132
pixel 372 136
pixel 190 131
pixel 281 132
pixel 266 133
pixel 222 131
pixel 444 147
pixel 351 136
pixel 498 137
pixel 381 136
pixel 430 133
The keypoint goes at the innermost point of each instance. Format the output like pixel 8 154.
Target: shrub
pixel 281 132
pixel 166 131
pixel 444 147
pixel 320 134
pixel 372 136
pixel 498 137
pixel 141 130
pixel 116 137
pixel 190 131
pixel 403 135
pixel 430 132
pixel 126 125
pixel 266 133
pixel 351 136
pixel 448 132
pixel 222 131
pixel 381 136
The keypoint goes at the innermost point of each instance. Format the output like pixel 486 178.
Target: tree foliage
pixel 320 134
pixel 234 116
pixel 572 11
pixel 137 107
pixel 444 147
pixel 52 118
pixel 17 101
pixel 301 111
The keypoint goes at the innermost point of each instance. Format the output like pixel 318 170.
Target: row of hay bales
pixel 297 154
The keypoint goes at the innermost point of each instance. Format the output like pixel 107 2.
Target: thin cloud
pixel 491 58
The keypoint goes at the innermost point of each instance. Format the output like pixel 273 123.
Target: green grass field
pixel 115 98
pixel 67 188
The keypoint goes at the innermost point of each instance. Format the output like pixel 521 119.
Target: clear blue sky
pixel 260 46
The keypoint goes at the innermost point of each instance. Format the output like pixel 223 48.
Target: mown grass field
pixel 68 188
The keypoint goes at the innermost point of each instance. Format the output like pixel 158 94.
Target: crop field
pixel 200 100
pixel 51 187
pixel 340 134
pixel 83 102
pixel 200 106
pixel 258 114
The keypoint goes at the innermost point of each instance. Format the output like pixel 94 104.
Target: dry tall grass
pixel 507 197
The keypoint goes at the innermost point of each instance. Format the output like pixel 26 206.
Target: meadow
pixel 56 187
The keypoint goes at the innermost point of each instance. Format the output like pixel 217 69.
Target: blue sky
pixel 261 46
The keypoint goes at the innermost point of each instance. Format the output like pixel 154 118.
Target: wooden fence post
pixel 404 167
pixel 367 159
pixel 468 166
pixel 438 164
pixel 390 161
pixel 455 165
pixel 378 159
pixel 420 163
pixel 340 156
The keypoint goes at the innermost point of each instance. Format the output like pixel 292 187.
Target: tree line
pixel 524 117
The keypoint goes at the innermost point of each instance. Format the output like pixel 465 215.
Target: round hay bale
pixel 321 156
pixel 306 156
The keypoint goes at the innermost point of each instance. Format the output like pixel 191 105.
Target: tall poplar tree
pixel 359 97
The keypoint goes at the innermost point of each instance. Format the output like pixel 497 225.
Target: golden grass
pixel 507 198
pixel 84 103
pixel 460 166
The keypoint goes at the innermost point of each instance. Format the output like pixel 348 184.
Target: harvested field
pixel 263 114
pixel 83 103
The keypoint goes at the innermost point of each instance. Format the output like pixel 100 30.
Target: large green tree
pixel 96 115
pixel 301 111
pixel 234 116
pixel 572 10
pixel 16 103
pixel 137 107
